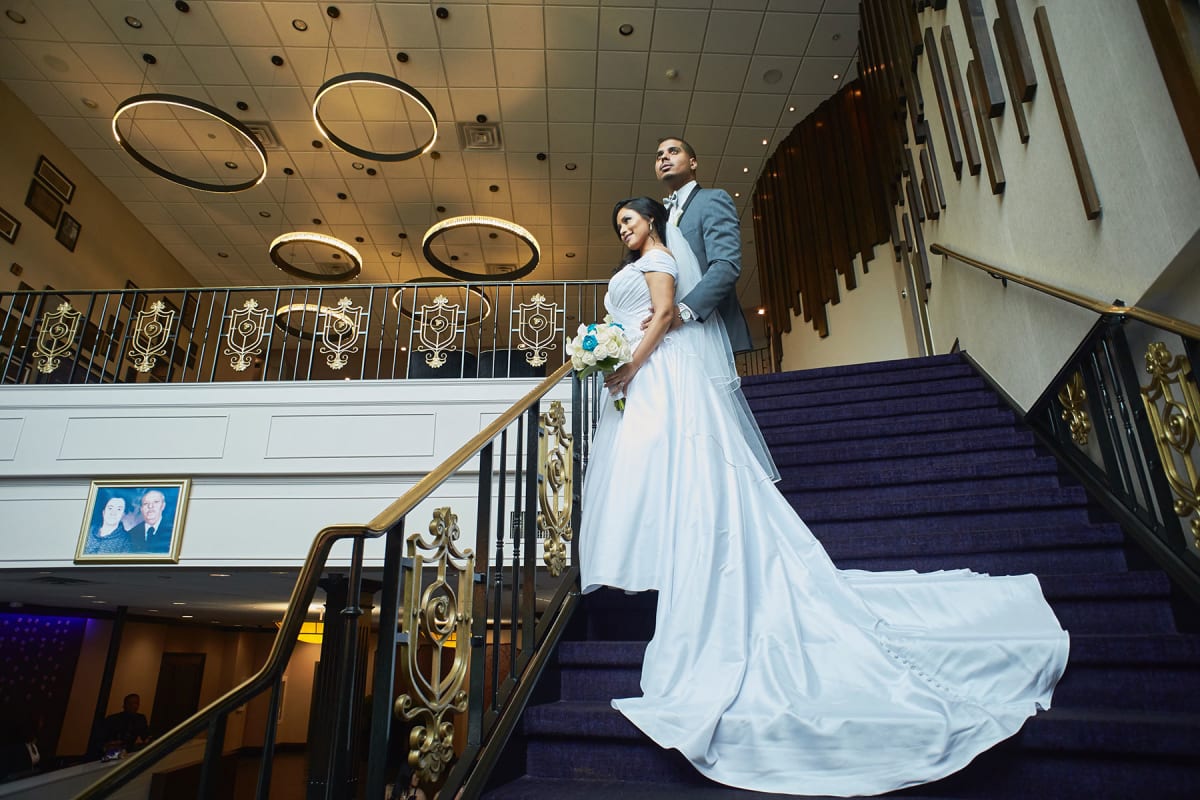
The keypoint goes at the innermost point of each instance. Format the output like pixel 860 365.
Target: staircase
pixel 915 464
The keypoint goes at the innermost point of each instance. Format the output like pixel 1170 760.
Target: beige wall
pixel 113 245
pixel 1148 186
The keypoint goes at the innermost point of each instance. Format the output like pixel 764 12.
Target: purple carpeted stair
pixel 914 464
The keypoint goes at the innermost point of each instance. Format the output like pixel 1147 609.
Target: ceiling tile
pixel 785 34
pixel 763 110
pixel 611 20
pixel 732 32
pixel 467 26
pixel 566 137
pixel 722 73
pixel 621 70
pixel 516 27
pixel 526 136
pixel 669 108
pixel 679 30
pixel 571 105
pixel 771 74
pixel 571 28
pixel 422 70
pixel 617 105
pixel 211 64
pixel 815 75
pixel 712 108
pixel 572 69
pixel 522 105
pixel 244 23
pixel 407 26
pixel 614 137
pixel 469 68
pixel 672 71
pixel 835 35
pixel 521 68
pixel 75 21
pixel 197 27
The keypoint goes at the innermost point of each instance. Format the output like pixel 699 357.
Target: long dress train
pixel 771 669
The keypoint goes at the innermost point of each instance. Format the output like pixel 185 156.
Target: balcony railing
pixel 413 330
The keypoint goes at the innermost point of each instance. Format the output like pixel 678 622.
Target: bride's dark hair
pixel 649 208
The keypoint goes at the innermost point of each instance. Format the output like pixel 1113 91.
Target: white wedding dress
pixel 771 669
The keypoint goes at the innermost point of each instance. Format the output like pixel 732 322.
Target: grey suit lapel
pixel 687 203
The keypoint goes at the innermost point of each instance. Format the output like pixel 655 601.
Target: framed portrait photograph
pixel 68 231
pixel 52 177
pixel 43 202
pixel 9 226
pixel 134 521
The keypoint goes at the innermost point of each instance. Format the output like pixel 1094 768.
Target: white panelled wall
pixel 270 463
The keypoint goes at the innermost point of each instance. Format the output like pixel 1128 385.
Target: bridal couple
pixel 770 668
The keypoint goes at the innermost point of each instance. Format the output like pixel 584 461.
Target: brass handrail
pixel 302 594
pixel 1163 321
pixel 408 501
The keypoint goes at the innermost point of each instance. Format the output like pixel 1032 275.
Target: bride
pixel 771 669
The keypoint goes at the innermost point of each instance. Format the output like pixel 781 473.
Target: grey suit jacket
pixel 709 223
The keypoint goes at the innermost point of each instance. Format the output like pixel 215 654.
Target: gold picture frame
pixel 134 521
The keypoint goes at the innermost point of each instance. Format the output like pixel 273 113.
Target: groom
pixel 708 221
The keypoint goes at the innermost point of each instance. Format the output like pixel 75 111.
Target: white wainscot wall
pixel 270 464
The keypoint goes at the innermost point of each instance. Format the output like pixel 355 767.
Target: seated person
pixel 127 729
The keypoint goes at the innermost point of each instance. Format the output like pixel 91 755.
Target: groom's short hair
pixel 687 148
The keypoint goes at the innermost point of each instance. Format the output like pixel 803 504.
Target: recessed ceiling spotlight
pixel 277 60
pixel 300 25
pixel 836 75
pixel 541 156
pixel 835 37
pixel 671 74
pixel 772 76
pixel 493 236
pixel 185 616
pixel 359 239
pixel 791 108
pixel 625 30
pixel 222 254
pixel 289 171
pixel 133 22
pixel 15 16
pixel 481 118
pixel 493 188
pixel 98 602
pixel 219 575
pixel 86 596
pixel 570 254
pixel 178 603
pixel 342 195
pixel 89 102
pixel 762 312
pixel 317 143
pixel 441 209
pixel 182 6
pixel 149 58
pixel 454 258
pixel 372 171
pixel 570 166
pixel 745 169
pixel 243 105
pixel 316 221
pixel 402 235
pixel 764 141
pixel 442 12
pixel 396 254
pixel 402 57
pixel 231 165
pixel 265 214
pixel 737 194
pixel 358 165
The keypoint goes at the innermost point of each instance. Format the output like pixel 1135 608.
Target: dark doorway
pixel 177 695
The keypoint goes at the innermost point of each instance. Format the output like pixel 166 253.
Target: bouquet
pixel 600 347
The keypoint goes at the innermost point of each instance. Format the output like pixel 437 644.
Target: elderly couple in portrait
pixel 771 669
pixel 150 534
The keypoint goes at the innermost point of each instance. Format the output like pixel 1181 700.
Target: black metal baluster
pixel 344 729
pixel 211 767
pixel 529 530
pixel 479 589
pixel 514 612
pixel 385 661
pixel 267 758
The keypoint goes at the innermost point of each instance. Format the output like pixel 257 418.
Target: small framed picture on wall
pixel 9 226
pixel 68 231
pixel 134 521
pixel 44 202
pixel 52 177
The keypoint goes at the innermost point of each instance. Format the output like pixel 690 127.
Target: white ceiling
pixel 558 77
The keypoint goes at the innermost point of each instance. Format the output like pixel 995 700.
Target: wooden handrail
pixel 1171 324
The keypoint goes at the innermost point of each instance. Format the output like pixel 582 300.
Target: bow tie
pixel 671 200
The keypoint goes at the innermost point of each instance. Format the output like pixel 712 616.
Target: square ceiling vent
pixel 479 135
pixel 265 133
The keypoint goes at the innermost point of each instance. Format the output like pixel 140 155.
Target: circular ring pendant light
pixel 378 80
pixel 284 313
pixel 307 237
pixel 190 104
pixel 439 228
pixel 434 285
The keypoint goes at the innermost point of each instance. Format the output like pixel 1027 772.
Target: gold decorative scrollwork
pixel 439 613
pixel 556 450
pixel 244 335
pixel 1176 426
pixel 536 329
pixel 55 337
pixel 1073 397
pixel 151 333
pixel 340 332
pixel 438 326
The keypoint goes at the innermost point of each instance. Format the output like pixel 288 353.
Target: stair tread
pixel 530 788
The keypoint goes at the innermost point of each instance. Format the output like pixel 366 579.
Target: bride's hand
pixel 676 322
pixel 617 382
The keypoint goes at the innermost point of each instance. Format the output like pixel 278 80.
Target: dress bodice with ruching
pixel 628 297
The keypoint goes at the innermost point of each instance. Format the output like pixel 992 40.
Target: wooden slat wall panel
pixel 943 98
pixel 991 150
pixel 1013 77
pixel 992 90
pixel 961 105
pixel 1066 115
pixel 1014 29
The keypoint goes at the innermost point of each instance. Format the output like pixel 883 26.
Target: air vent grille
pixel 265 133
pixel 479 135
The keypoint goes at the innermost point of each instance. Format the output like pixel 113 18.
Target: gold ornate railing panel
pixel 55 336
pixel 537 329
pixel 1175 421
pixel 1073 397
pixel 440 614
pixel 439 327
pixel 151 335
pixel 556 451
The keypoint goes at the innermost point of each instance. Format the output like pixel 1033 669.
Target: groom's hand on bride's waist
pixel 676 321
